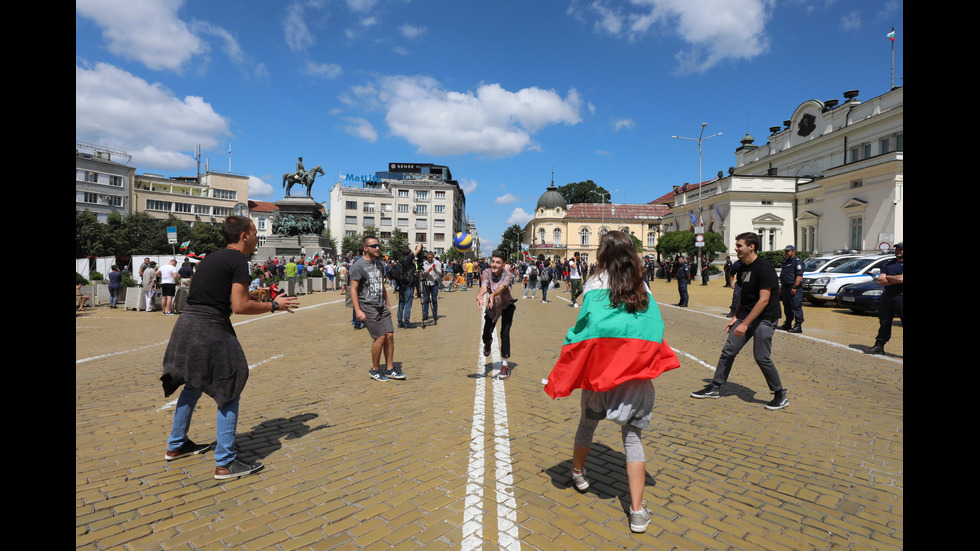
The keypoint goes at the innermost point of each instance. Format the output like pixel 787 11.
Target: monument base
pixel 294 247
pixel 290 241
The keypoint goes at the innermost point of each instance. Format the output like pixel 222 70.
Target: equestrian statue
pixel 301 176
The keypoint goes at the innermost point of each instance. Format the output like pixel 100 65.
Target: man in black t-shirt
pixel 755 318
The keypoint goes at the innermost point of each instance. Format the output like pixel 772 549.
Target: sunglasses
pixel 375 246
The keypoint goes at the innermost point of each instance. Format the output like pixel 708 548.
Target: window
pixel 584 236
pixel 422 210
pixel 351 205
pixel 183 207
pixel 439 223
pixel 440 209
pixel 116 200
pixel 157 205
pixel 403 193
pixel 386 235
pixel 368 221
pixel 557 237
pixel 369 207
pixel 224 194
pixel 403 222
pixel 350 220
pixel 440 194
pixel 856 227
pixel 115 181
pixel 385 221
pixel 202 209
pixel 421 224
pixel 899 142
pixel 883 146
pixel 541 234
pixel 402 208
pixel 438 237
pixel 855 154
pixel 420 238
pixel 91 177
pixel 90 198
pixel 767 202
pixel 866 151
pixel 651 240
pixel 385 207
pixel 421 195
pixel 261 226
pixel 223 211
pixel 856 183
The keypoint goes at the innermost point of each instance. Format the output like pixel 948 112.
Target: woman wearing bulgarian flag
pixel 612 353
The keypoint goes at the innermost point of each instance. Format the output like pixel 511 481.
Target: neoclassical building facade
pixel 830 178
pixel 559 230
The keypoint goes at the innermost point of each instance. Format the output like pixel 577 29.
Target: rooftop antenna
pixel 197 157
pixel 229 157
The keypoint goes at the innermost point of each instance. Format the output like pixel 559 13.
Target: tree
pixel 510 241
pixel 206 238
pixel 397 246
pixel 683 242
pixel 143 234
pixel 89 235
pixel 351 244
pixel 637 243
pixel 584 192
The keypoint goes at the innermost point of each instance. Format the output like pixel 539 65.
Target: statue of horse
pixel 290 178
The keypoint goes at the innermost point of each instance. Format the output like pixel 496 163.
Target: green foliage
pixel 205 239
pixel 452 254
pixel 128 281
pixel 95 276
pixel 397 246
pixel 637 243
pixel 584 192
pixel 776 257
pixel 510 241
pixel 79 278
pixel 682 242
pixel 351 244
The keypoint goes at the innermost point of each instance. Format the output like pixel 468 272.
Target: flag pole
pixel 891 38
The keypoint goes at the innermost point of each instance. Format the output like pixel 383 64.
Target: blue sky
pixel 502 92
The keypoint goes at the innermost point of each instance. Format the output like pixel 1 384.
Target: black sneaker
pixel 876 349
pixel 378 375
pixel 779 401
pixel 710 391
pixel 187 448
pixel 237 468
pixel 486 350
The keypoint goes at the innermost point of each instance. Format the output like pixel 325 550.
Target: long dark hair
pixel 624 270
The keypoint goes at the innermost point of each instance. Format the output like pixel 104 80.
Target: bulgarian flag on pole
pixel 609 346
pixel 185 244
pixel 891 35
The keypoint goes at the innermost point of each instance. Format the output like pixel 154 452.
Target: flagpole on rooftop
pixel 891 38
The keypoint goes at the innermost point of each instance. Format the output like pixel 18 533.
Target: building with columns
pixel 829 178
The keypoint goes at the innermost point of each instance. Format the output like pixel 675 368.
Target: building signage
pixel 357 178
pixel 404 167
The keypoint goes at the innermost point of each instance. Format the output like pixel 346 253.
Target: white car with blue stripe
pixel 822 287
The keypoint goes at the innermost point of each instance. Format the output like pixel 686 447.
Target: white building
pixel 830 178
pixel 103 180
pixel 420 199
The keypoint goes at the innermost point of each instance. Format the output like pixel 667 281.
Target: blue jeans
pixel 430 293
pixel 405 304
pixel 224 452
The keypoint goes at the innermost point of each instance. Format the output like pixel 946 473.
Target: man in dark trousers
pixel 204 354
pixel 683 273
pixel 755 318
pixel 892 278
pixel 790 279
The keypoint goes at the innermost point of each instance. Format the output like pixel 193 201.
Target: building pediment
pixel 767 219
pixel 808 216
pixel 854 204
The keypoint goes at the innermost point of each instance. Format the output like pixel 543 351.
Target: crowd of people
pixel 612 353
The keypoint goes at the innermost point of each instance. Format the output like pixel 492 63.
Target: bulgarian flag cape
pixel 609 346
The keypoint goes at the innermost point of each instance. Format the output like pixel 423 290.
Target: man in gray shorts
pixel 371 306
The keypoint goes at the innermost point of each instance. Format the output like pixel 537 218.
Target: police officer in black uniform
pixel 790 279
pixel 683 274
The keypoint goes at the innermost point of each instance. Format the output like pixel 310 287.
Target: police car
pixel 822 287
pixel 827 263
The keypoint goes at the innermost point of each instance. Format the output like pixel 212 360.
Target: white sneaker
pixel 581 483
pixel 575 305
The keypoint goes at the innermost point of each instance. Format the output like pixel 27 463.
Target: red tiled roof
pixel 614 211
pixel 262 206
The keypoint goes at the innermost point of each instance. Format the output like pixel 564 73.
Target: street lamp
pixel 699 139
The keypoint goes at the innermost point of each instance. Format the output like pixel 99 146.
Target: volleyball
pixel 462 241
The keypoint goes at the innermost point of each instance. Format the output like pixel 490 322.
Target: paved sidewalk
pixel 454 459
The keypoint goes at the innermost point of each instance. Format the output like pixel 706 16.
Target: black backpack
pixel 400 275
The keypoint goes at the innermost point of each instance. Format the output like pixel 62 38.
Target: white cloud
pixel 116 109
pixel 468 186
pixel 620 124
pixel 299 37
pixel 519 217
pixel 147 31
pixel 258 188
pixel 361 128
pixel 505 199
pixel 412 32
pixel 323 70
pixel 714 30
pixel 489 121
pixel 851 21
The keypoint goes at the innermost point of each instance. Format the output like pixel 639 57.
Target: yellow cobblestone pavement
pixel 454 459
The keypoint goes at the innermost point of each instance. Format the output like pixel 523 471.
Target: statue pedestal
pixel 295 240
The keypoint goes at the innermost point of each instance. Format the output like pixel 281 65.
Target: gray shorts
pixel 378 321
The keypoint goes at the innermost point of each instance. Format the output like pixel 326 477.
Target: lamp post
pixel 699 139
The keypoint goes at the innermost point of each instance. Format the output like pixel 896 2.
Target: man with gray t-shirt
pixel 370 299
